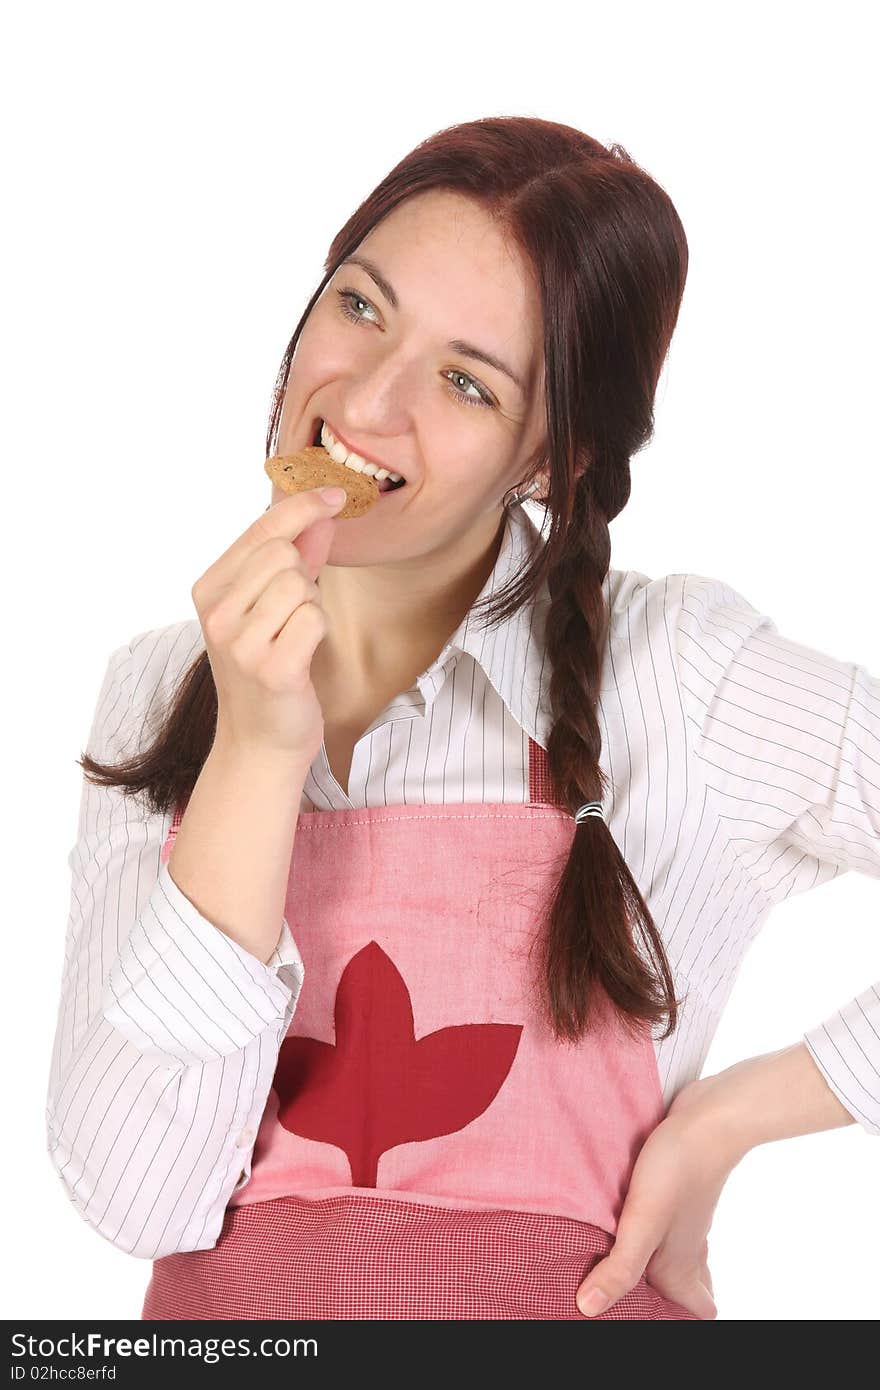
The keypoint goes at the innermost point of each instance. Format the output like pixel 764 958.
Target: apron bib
pixel 428 1149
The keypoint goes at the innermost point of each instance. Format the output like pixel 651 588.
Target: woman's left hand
pixel 664 1223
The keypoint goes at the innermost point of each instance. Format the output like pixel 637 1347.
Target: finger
pixel 314 545
pixel 275 557
pixel 606 1284
pixel 695 1297
pixel 295 645
pixel 274 576
pixel 607 1281
pixel 287 519
pixel 636 1239
pixel 286 592
pixel 691 1288
pixel 691 1294
pixel 707 1302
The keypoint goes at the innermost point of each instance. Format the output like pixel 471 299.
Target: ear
pixel 542 479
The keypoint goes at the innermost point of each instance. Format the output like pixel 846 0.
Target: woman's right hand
pixel 262 618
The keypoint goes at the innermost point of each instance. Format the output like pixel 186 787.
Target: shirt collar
pixel 512 654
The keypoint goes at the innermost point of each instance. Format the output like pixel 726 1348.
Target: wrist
pixel 258 758
pixel 718 1110
pixel 778 1095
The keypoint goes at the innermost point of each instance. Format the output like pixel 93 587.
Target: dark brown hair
pixel 610 258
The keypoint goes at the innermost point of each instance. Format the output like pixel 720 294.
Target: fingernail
pixel 333 495
pixel 594 1302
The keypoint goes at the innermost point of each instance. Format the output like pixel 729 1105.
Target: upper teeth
pixel 340 454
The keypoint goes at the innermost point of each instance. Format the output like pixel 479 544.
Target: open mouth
pixel 383 484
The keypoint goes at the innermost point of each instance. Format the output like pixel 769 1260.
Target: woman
pixel 519 813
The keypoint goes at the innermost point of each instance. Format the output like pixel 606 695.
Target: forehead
pixel 458 273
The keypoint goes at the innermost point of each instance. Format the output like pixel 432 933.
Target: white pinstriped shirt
pixel 745 768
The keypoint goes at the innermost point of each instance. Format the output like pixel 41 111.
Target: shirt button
pixel 246 1137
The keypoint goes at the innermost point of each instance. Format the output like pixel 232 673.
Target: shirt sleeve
pixel 168 1031
pixel 788 741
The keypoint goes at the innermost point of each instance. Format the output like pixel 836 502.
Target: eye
pixel 349 299
pixel 479 399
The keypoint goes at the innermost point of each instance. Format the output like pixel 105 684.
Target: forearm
pixel 231 857
pixel 778 1095
pixel 192 1120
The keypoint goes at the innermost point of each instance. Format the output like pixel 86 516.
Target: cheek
pixel 325 348
pixel 471 482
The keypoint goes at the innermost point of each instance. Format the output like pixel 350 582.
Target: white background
pixel 173 176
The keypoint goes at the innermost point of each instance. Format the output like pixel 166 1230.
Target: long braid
pixel 597 901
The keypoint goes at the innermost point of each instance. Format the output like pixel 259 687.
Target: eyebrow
pixel 456 344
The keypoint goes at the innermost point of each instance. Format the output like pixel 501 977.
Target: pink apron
pixel 428 1149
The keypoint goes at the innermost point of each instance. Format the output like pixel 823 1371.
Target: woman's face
pixel 390 385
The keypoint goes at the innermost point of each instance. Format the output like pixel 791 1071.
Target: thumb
pixel 314 543
pixel 607 1281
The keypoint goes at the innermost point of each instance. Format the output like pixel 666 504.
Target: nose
pixel 378 399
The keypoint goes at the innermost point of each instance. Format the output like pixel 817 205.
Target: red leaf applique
pixel 380 1086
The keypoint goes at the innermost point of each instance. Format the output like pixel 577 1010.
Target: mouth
pixel 384 485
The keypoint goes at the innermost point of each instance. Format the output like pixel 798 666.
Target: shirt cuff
pixel 184 992
pixel 846 1049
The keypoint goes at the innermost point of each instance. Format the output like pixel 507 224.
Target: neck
pixel 386 624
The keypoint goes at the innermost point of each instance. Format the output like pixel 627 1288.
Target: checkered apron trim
pixel 357 1257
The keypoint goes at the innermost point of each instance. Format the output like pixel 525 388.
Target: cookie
pixel 313 467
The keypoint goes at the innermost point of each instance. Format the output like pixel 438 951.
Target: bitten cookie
pixel 313 467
